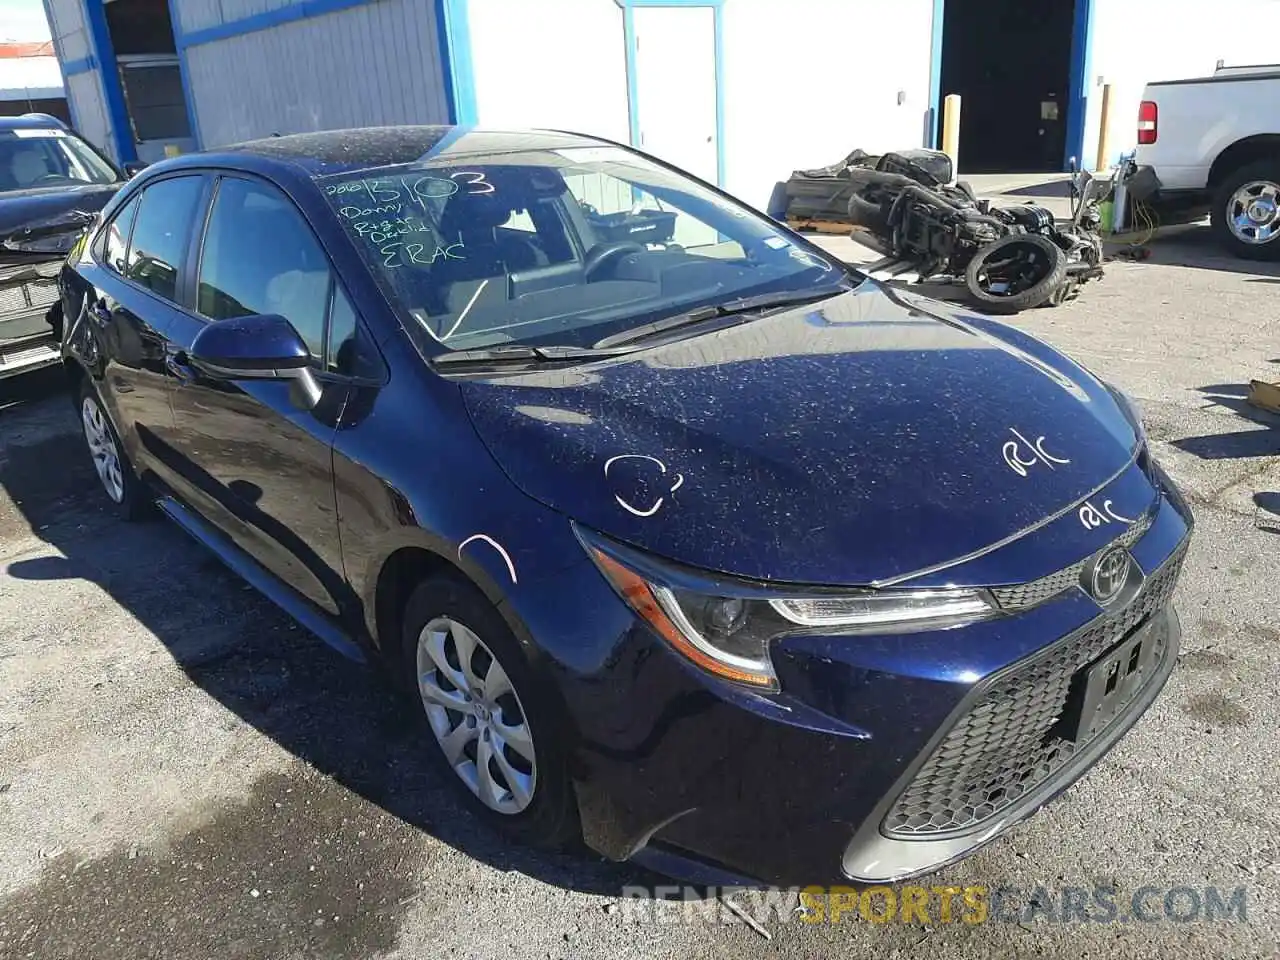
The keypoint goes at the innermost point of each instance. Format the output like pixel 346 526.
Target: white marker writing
pixel 1022 454
pixel 511 567
pixel 662 467
pixel 1092 517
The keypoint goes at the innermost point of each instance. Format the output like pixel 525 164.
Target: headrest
pixel 474 212
pixel 27 166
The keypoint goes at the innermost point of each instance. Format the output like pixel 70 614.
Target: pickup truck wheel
pixel 1246 211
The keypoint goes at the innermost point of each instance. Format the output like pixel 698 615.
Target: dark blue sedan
pixel 689 540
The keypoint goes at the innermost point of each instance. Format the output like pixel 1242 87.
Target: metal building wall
pixel 258 67
pixel 82 64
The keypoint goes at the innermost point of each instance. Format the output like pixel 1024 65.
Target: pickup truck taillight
pixel 1148 121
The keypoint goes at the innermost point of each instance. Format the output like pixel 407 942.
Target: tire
pixel 1048 269
pixel 129 499
pixel 1261 181
pixel 538 806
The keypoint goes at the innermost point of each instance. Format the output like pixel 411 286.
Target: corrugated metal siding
pixel 192 15
pixel 368 65
pixel 66 24
pixel 84 91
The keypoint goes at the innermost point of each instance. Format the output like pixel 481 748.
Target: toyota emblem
pixel 1109 575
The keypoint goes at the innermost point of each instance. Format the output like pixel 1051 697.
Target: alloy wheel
pixel 1253 212
pixel 103 449
pixel 476 716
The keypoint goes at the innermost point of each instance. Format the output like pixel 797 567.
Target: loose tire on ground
pixel 1231 194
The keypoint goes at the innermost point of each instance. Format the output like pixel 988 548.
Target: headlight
pixel 727 627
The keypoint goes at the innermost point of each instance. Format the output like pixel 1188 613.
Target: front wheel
pixel 1016 273
pixel 1246 211
pixel 490 717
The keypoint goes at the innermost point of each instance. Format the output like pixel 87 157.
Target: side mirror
pixel 134 167
pixel 257 347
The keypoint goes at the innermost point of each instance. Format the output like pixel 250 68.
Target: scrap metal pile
pixel 905 206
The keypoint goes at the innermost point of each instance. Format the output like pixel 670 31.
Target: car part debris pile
pixel 906 206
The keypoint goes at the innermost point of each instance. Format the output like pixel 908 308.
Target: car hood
pixel 50 218
pixel 863 439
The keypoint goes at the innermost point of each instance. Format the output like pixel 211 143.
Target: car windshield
pixel 35 158
pixel 564 246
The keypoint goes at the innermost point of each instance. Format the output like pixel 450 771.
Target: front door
pixel 676 87
pixel 256 461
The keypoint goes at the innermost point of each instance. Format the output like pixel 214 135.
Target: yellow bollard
pixel 951 130
pixel 1104 131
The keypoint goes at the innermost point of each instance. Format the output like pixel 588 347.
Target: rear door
pixel 256 461
pixel 128 299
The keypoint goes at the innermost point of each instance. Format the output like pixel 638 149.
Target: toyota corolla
pixel 686 539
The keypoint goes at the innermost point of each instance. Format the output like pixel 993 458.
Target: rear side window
pixel 115 248
pixel 260 256
pixel 160 234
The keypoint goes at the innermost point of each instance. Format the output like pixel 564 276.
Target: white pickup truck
pixel 1213 145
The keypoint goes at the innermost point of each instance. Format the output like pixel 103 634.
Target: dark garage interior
pixel 1010 62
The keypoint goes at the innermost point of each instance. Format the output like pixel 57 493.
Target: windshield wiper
pixel 730 308
pixel 520 353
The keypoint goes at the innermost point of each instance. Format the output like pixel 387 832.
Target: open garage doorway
pixel 1010 61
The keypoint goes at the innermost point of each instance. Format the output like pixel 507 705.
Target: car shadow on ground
pixel 1235 444
pixel 1194 245
pixel 341 718
pixel 1267 511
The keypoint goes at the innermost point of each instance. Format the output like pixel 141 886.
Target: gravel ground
pixel 183 773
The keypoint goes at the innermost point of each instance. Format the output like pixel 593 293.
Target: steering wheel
pixel 602 253
pixel 48 176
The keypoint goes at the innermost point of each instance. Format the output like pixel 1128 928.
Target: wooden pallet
pixel 819 226
pixel 1265 396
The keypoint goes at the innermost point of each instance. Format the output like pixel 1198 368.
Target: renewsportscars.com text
pixel 931 905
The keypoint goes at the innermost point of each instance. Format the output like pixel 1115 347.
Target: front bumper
pixel 27 340
pixel 862 766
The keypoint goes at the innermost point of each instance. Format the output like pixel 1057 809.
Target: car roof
pixel 32 121
pixel 340 151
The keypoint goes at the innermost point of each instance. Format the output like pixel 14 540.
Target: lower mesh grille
pixel 22 297
pixel 1005 746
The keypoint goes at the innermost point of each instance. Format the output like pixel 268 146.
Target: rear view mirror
pixel 258 347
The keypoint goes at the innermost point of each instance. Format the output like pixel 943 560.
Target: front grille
pixel 1023 595
pixel 1006 745
pixel 41 293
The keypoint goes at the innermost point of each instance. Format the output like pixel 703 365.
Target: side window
pixel 115 247
pixel 350 352
pixel 163 225
pixel 260 256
